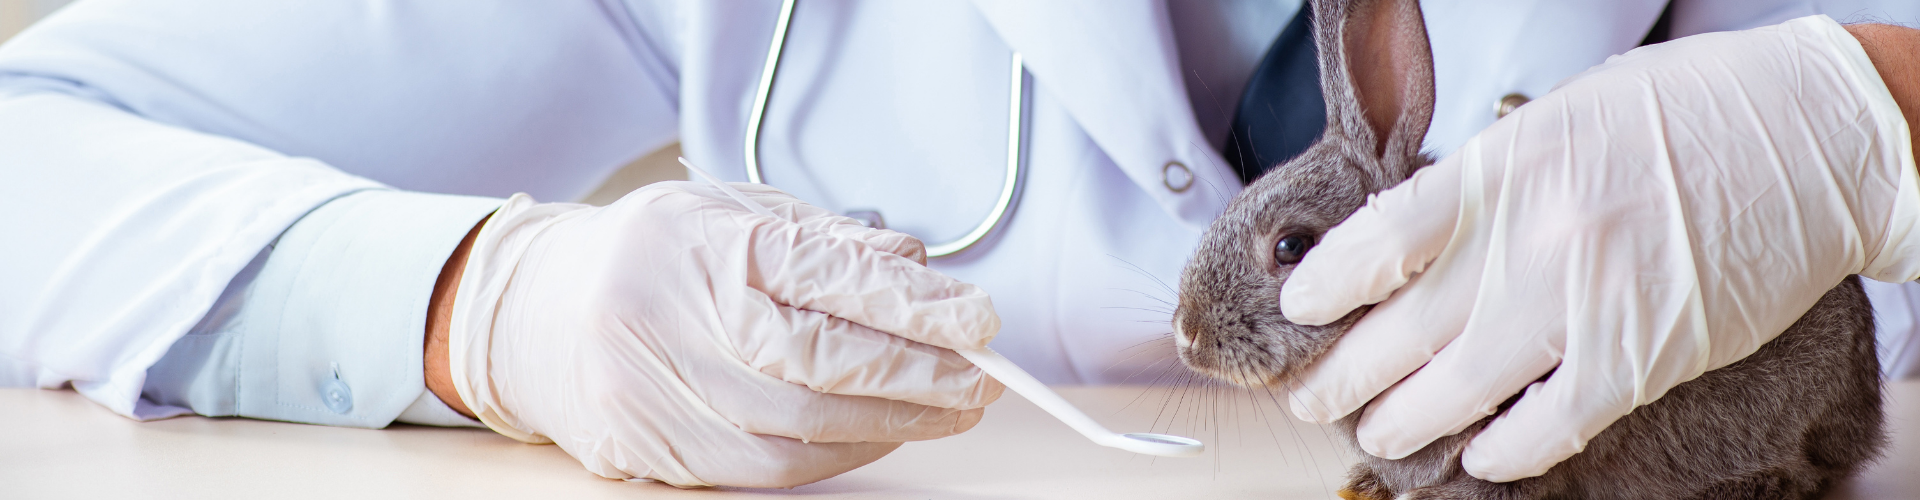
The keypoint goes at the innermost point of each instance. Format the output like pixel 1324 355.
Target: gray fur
pixel 1801 413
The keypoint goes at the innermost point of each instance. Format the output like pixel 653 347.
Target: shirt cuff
pixel 336 319
pixel 430 410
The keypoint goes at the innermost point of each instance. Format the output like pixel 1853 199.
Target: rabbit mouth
pixel 1229 370
pixel 1254 356
pixel 1232 360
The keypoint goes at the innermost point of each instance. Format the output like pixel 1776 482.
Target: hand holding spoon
pixel 1023 383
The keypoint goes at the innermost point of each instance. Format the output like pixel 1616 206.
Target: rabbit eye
pixel 1291 248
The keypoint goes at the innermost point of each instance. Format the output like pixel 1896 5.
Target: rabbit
pixel 1798 415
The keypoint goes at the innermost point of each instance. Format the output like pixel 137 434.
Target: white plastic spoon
pixel 1023 383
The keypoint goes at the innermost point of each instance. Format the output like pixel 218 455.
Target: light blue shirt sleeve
pixel 326 325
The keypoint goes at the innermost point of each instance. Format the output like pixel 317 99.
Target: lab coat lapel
pixel 1113 65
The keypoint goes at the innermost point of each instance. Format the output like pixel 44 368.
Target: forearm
pixel 1895 52
pixel 439 374
pixel 128 230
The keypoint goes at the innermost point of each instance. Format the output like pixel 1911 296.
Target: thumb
pixel 1377 249
pixel 813 270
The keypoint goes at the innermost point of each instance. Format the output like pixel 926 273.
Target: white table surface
pixel 56 444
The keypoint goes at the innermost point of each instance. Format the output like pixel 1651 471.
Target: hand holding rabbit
pixel 1638 234
pixel 1659 216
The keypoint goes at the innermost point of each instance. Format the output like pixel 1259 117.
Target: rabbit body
pixel 1786 422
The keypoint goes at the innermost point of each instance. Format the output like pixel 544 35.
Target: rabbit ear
pixel 1377 74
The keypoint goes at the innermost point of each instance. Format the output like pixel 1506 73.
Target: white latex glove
pixel 1658 216
pixel 673 335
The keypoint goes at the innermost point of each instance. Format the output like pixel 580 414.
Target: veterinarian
pixel 352 213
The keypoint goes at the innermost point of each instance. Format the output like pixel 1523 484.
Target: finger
pixel 779 462
pixel 1502 349
pixel 719 454
pixel 885 240
pixel 1622 350
pixel 698 451
pixel 810 269
pixel 835 418
pixel 787 207
pixel 821 219
pixel 761 404
pixel 1514 332
pixel 1395 338
pixel 833 355
pixel 639 408
pixel 1377 249
pixel 1551 423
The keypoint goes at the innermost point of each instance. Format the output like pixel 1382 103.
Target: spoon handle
pixel 729 190
pixel 1023 383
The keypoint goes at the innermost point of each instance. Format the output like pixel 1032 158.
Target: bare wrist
pixel 439 373
pixel 1895 52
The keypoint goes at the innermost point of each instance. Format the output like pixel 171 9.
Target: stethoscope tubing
pixel 1016 145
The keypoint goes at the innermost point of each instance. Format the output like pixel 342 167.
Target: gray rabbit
pixel 1789 421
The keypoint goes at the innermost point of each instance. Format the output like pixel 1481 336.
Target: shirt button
pixel 339 397
pixel 335 393
pixel 1176 176
pixel 1508 103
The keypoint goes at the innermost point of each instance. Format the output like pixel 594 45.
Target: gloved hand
pixel 1658 216
pixel 674 335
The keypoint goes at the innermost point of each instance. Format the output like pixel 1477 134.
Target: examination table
pixel 56 444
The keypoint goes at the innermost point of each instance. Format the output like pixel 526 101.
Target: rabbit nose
pixel 1180 337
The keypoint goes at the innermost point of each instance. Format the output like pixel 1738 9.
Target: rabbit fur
pixel 1801 413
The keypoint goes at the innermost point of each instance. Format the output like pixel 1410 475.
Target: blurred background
pixel 16 15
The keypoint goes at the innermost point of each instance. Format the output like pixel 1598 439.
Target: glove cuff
pixel 496 252
pixel 1894 257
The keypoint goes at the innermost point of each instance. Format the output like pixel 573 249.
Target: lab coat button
pixel 1176 176
pixel 338 397
pixel 1508 103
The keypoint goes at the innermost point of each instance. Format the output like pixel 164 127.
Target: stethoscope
pixel 1009 190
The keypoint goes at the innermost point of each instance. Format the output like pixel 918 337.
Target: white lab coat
pixel 151 149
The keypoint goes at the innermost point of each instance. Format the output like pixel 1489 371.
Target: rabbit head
pixel 1377 77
